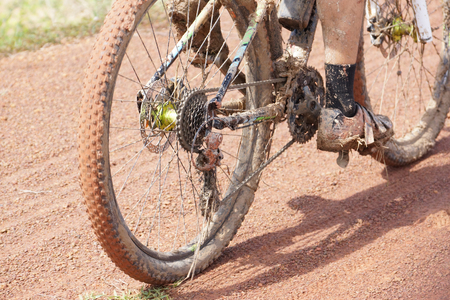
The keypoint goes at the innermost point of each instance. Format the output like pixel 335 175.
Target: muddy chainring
pixel 190 116
pixel 303 122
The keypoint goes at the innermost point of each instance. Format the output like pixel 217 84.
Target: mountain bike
pixel 180 105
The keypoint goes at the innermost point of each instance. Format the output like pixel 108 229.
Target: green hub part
pixel 400 28
pixel 164 116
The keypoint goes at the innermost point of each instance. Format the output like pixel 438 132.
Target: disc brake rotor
pixel 157 113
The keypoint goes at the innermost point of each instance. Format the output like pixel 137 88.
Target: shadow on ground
pixel 343 226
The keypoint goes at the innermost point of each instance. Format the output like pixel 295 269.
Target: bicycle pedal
pixel 343 159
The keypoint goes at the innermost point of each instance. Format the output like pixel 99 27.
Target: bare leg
pixel 341 23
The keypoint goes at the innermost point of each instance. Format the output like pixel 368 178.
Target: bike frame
pixel 299 46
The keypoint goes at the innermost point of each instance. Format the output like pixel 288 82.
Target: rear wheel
pixel 405 79
pixel 156 216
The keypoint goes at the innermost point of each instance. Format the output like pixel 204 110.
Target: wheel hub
pixel 157 112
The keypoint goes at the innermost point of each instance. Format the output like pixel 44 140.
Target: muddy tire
pixel 143 205
pixel 411 86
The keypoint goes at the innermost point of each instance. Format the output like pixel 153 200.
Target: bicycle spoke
pixel 134 70
pixel 146 50
pixel 414 65
pixel 127 145
pixel 161 195
pixel 155 40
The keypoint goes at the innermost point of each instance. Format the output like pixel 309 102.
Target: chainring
pixel 191 115
pixel 303 126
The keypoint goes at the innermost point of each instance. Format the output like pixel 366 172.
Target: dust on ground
pixel 315 231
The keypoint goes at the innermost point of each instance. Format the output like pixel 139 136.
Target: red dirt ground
pixel 315 231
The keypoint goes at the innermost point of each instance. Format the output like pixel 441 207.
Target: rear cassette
pixel 190 116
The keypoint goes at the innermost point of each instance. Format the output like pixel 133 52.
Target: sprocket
pixel 190 116
pixel 304 106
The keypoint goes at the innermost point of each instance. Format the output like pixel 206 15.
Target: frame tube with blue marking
pixel 181 45
pixel 216 102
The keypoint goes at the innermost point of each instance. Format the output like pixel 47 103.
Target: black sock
pixel 339 79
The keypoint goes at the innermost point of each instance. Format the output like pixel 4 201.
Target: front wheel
pixel 407 80
pixel 156 216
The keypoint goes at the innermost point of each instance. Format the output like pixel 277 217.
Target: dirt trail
pixel 315 231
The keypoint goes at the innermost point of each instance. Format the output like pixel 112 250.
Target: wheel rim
pixel 158 191
pixel 401 85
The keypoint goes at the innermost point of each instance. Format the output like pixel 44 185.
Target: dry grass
pixel 30 24
pixel 154 293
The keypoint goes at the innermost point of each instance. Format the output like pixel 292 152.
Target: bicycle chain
pixel 295 138
pixel 244 182
pixel 191 112
pixel 191 115
pixel 242 85
pixel 295 135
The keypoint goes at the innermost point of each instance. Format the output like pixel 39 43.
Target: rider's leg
pixel 344 124
pixel 341 24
